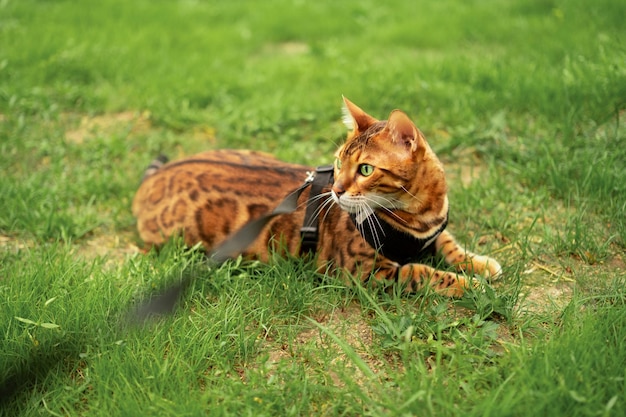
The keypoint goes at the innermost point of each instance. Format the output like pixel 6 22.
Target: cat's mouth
pixel 346 203
pixel 361 204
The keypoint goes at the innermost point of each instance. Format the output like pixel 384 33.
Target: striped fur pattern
pixel 384 167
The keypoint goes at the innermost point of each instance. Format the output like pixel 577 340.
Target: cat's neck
pixel 425 202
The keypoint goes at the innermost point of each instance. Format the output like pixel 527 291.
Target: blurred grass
pixel 523 100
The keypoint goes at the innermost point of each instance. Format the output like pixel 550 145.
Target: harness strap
pixel 309 230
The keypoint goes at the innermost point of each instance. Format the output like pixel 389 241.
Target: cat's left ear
pixel 354 118
pixel 402 130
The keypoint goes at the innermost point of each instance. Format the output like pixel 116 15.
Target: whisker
pixel 314 198
pixel 380 226
pixel 321 196
pixel 374 224
pixel 409 193
pixel 391 203
pixel 395 216
pixel 387 209
pixel 322 206
pixel 360 225
pixel 329 202
pixel 364 219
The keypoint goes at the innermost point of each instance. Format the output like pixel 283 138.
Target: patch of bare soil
pixel 12 244
pixel 286 49
pixel 546 295
pixel 116 248
pixel 310 345
pixel 129 123
pixel 90 127
pixel 465 169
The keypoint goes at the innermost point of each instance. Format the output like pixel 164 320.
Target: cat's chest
pixel 393 243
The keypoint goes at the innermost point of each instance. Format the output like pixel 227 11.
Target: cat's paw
pixel 481 265
pixel 486 267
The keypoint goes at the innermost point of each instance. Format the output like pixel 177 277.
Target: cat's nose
pixel 338 190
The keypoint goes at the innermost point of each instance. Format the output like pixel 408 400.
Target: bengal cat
pixel 389 193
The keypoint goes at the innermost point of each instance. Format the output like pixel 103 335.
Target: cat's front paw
pixel 486 267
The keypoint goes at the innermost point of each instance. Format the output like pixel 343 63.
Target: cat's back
pixel 219 189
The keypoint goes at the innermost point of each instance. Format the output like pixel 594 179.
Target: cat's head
pixel 385 165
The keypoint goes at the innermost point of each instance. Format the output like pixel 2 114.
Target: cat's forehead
pixel 359 142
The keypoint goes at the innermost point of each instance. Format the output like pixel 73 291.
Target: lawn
pixel 523 101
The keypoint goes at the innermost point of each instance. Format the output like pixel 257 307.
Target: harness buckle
pixel 310 176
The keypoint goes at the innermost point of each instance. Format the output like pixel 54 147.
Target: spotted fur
pixel 384 167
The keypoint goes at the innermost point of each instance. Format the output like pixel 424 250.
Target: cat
pixel 385 211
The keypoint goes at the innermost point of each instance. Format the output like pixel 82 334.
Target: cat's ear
pixel 354 118
pixel 402 130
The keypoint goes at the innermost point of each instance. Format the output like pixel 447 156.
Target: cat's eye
pixel 338 163
pixel 366 170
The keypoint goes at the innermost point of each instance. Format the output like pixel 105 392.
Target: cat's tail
pixel 154 166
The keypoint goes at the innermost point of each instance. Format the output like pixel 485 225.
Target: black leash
pixel 165 302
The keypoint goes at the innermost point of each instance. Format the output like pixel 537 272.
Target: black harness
pixel 392 243
pixel 395 244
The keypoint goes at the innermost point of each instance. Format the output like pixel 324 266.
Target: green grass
pixel 522 100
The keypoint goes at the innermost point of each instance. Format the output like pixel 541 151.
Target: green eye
pixel 338 163
pixel 366 170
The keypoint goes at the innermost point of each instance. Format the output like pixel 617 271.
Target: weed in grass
pixel 436 329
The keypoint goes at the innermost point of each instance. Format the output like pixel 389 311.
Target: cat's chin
pixel 347 207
